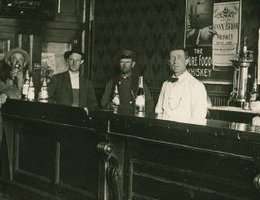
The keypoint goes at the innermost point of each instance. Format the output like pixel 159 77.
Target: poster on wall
pixel 200 32
pixel 4 47
pixel 226 22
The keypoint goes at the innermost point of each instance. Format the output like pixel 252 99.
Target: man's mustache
pixel 16 66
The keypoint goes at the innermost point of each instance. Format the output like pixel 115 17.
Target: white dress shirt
pixel 74 79
pixel 183 100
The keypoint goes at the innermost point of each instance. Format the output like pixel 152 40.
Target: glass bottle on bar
pixel 115 100
pixel 25 86
pixel 43 94
pixel 31 94
pixel 254 92
pixel 140 97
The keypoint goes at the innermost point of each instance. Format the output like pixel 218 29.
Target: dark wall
pixel 149 27
pixel 251 22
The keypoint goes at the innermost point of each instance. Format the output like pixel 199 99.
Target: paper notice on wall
pixel 57 50
pixel 48 59
pixel 226 22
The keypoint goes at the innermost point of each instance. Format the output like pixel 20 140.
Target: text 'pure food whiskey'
pixel 140 97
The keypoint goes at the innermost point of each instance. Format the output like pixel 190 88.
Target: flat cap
pixel 126 53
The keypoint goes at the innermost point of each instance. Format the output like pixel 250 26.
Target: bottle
pixel 115 100
pixel 25 86
pixel 254 92
pixel 140 97
pixel 31 90
pixel 43 94
pixel 244 50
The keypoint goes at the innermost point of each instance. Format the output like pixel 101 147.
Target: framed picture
pixel 209 46
pixel 37 9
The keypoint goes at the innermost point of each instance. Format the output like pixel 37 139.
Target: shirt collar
pixel 73 74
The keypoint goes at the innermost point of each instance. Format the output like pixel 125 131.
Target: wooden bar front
pixel 63 152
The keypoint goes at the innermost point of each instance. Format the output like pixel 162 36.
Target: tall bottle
pixel 43 94
pixel 31 94
pixel 115 100
pixel 140 97
pixel 25 86
pixel 244 49
pixel 254 92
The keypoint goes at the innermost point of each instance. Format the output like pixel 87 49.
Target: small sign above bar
pixel 31 9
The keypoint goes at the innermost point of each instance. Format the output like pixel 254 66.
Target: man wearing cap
pixel 12 74
pixel 182 97
pixel 70 87
pixel 127 83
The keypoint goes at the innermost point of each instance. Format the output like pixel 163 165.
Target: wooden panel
pixel 79 161
pixel 170 162
pixel 55 150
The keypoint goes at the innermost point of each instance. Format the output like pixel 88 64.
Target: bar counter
pixel 233 114
pixel 60 152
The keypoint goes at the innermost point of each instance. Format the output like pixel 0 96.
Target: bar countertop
pixel 79 117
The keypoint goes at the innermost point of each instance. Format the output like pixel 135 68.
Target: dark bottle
pixel 140 97
pixel 254 92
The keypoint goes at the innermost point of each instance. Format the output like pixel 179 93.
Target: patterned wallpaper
pixel 149 27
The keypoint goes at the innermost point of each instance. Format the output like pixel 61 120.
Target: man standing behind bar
pixel 182 97
pixel 70 87
pixel 127 83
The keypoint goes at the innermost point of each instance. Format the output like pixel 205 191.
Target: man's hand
pixel 16 75
pixel 13 73
pixel 206 33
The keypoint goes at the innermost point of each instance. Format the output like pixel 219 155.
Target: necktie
pixel 172 79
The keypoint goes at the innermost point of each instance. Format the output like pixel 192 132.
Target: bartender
pixel 182 96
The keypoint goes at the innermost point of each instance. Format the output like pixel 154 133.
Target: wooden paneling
pixel 57 156
pixel 171 162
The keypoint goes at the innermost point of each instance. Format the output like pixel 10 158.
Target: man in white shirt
pixel 182 97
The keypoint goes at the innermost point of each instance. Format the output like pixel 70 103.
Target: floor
pixel 5 197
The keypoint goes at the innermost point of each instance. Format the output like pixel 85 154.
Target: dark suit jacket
pixel 60 91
